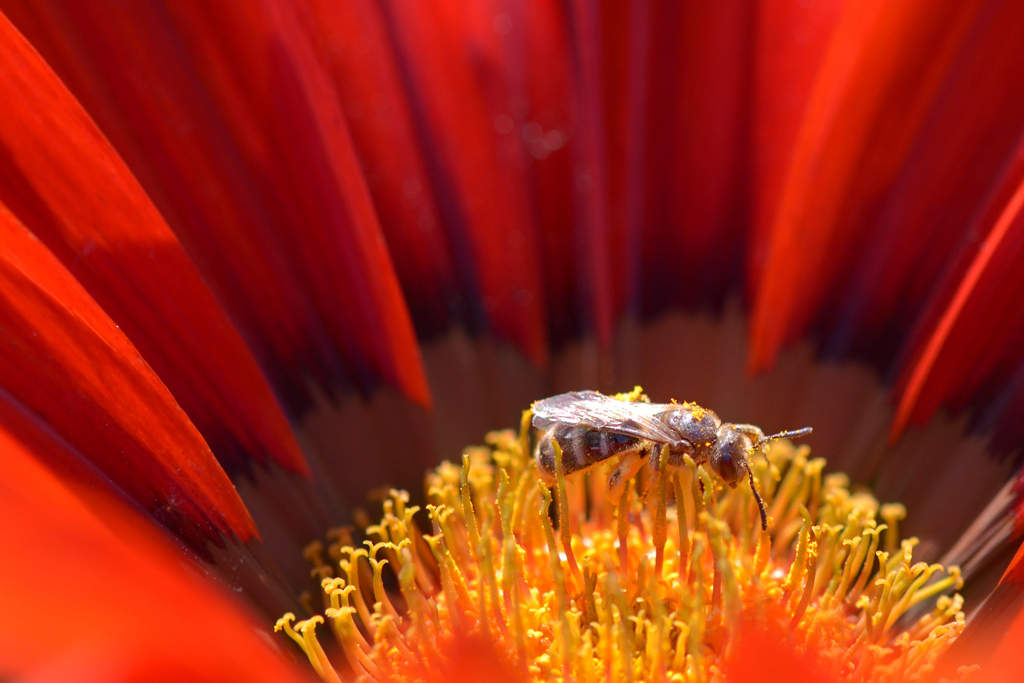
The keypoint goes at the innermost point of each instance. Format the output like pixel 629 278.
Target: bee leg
pixel 629 464
pixel 651 483
pixel 544 456
pixel 655 463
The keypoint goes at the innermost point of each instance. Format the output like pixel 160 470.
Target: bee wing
pixel 591 409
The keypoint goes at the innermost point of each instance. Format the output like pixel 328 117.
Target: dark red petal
pixel 368 79
pixel 259 66
pixel 922 239
pixel 676 84
pixel 696 151
pixel 994 634
pixel 456 64
pixel 91 591
pixel 791 39
pixel 548 153
pixel 65 360
pixel 233 125
pixel 977 339
pixel 880 73
pixel 625 48
pixel 65 182
pixel 587 178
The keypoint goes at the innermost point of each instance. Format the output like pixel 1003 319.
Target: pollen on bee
pixel 665 584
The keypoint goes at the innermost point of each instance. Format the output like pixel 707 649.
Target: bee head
pixel 729 457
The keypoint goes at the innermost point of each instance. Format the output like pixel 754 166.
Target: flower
pixel 221 219
pixel 660 594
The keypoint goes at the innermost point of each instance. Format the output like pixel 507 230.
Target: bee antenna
pixel 757 496
pixel 783 435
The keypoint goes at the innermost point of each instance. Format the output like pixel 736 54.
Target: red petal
pixel 529 90
pixel 90 591
pixel 63 180
pixel 882 70
pixel 922 234
pixel 233 125
pixel 66 360
pixel 791 40
pixel 978 338
pixel 1007 661
pixel 994 634
pixel 457 67
pixel 625 30
pixel 696 151
pixel 587 178
pixel 377 108
pixel 1000 625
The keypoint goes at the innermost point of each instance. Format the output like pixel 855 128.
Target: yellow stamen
pixel 893 513
pixel 622 525
pixel 566 649
pixel 660 526
pixel 304 633
pixel 661 594
pixel 563 514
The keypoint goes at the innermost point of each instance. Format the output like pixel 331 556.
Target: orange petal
pixel 90 591
pixel 474 659
pixel 764 656
pixel 1007 662
pixel 65 182
pixel 64 359
pixel 231 121
pixel 880 74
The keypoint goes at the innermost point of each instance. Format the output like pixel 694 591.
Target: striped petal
pixel 66 361
pixel 882 70
pixel 63 180
pixel 464 106
pixel 232 124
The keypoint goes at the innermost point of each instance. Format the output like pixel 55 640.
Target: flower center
pixel 664 584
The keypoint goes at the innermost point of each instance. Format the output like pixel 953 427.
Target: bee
pixel 591 427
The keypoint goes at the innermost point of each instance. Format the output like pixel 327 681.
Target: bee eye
pixel 726 466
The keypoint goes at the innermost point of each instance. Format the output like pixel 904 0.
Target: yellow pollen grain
pixel 571 585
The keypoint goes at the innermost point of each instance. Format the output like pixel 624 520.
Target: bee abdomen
pixel 581 448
